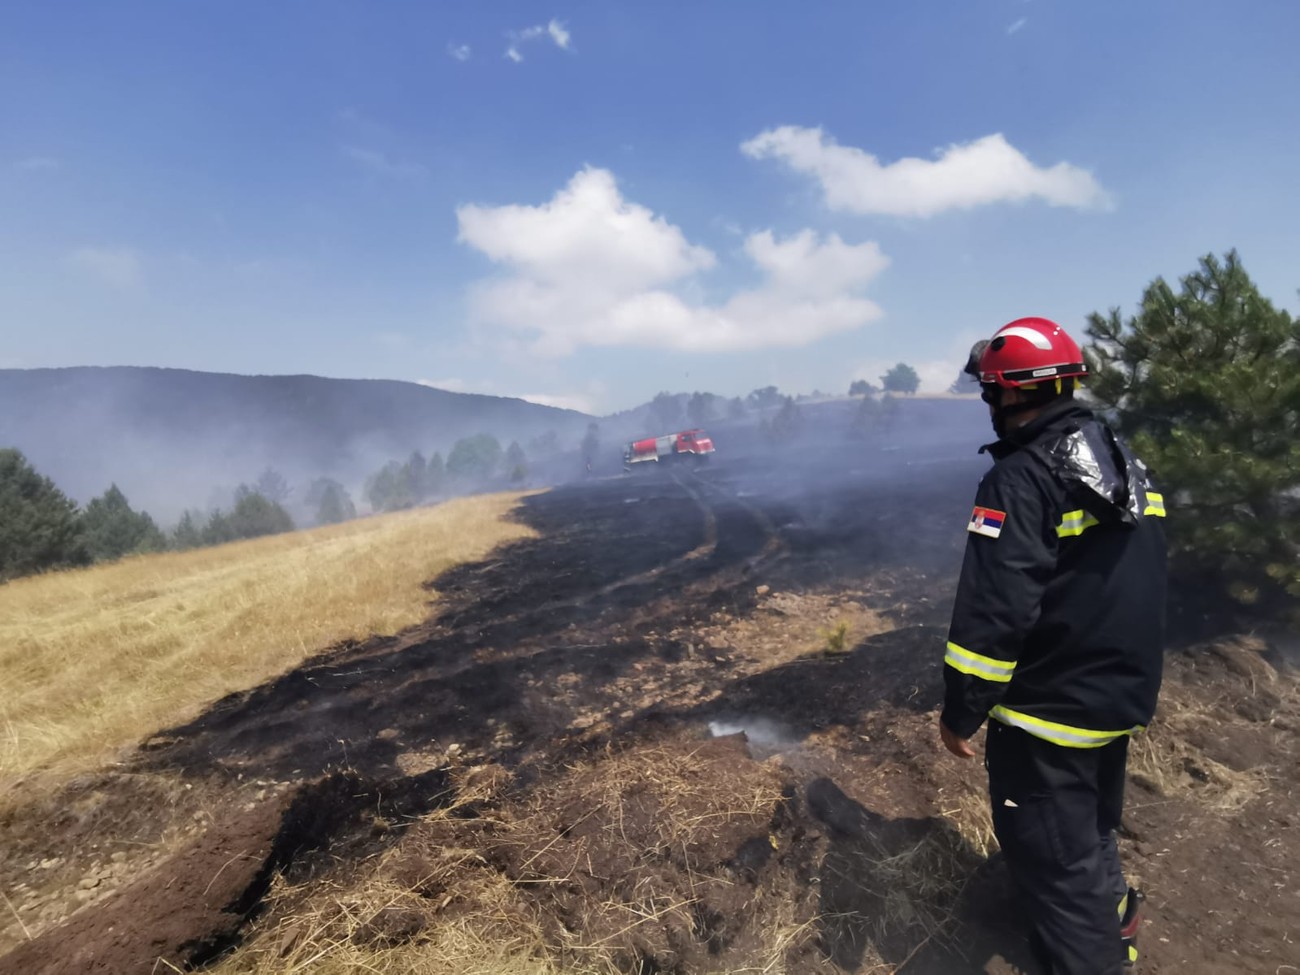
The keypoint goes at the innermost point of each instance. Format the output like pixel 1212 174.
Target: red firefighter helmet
pixel 1029 351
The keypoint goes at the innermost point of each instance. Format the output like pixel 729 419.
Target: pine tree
pixel 964 384
pixel 516 462
pixel 112 529
pixel 1205 381
pixel 417 469
pixel 787 422
pixel 330 502
pixel 591 444
pixel 435 476
pixel 389 488
pixel 335 506
pixel 218 529
pixel 666 408
pixel 272 486
pixel 39 526
pixel 546 445
pixel 187 533
pixel 255 515
pixel 867 418
pixel 700 409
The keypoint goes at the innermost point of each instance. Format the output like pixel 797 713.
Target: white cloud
pixel 382 165
pixel 1017 25
pixel 988 170
pixel 589 268
pixel 119 267
pixel 461 52
pixel 558 34
pixel 37 164
pixel 554 30
pixel 803 266
pixel 586 230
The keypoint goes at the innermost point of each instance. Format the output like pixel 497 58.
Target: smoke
pixel 758 730
pixel 174 440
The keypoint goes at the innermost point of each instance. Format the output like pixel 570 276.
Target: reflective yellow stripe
pixel 1133 954
pixel 1074 523
pixel 1123 904
pixel 978 665
pixel 1155 505
pixel 1060 734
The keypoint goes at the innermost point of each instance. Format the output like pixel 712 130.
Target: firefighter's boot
pixel 1130 918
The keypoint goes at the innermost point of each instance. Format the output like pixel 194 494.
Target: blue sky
pixel 587 203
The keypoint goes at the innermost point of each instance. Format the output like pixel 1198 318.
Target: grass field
pixel 92 660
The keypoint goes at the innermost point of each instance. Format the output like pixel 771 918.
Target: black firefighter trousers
pixel 1055 812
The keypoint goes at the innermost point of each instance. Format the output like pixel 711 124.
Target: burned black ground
pixel 656 606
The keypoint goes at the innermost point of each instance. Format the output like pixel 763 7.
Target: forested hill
pixel 167 436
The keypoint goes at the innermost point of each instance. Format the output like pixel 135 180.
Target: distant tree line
pixel 41 528
pixel 472 463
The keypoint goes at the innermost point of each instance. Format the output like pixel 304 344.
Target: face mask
pixel 991 394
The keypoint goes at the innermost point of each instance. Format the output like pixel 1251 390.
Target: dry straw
pixel 94 659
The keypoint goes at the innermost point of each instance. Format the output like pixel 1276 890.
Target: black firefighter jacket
pixel 1058 624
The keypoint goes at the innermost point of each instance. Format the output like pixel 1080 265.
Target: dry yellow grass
pixel 331 935
pixel 481 922
pixel 94 659
pixel 1163 759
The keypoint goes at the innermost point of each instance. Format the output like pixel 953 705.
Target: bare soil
pixel 642 727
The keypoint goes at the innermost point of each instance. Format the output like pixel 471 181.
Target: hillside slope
pixel 168 436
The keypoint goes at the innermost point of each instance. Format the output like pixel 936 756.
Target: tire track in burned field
pixel 617 562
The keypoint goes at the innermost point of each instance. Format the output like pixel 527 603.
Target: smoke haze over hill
pixel 169 437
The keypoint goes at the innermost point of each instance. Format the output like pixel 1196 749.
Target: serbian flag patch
pixel 986 522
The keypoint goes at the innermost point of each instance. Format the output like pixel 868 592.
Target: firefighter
pixel 1057 638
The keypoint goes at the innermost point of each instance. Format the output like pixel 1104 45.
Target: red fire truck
pixel 687 445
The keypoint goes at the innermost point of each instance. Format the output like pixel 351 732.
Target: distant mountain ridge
pixel 168 436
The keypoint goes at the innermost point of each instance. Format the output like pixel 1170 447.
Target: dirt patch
pixel 77 845
pixel 174 914
pixel 191 907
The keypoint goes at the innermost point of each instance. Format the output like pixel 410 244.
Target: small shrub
pixel 837 638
